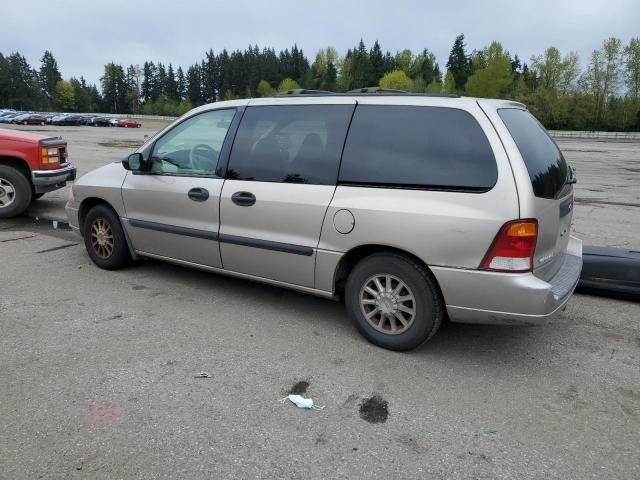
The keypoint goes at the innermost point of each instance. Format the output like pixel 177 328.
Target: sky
pixel 85 34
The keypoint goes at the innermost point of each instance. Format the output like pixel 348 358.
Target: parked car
pixel 409 207
pixel 56 118
pixel 18 118
pixel 8 117
pixel 69 120
pixel 30 166
pixel 88 119
pixel 125 123
pixel 114 122
pixel 101 122
pixel 32 119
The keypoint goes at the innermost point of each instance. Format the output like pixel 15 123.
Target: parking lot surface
pixel 100 371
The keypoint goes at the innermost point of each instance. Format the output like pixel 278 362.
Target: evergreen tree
pixel 376 64
pixel 194 85
pixel 181 84
pixel 459 63
pixel 24 91
pixel 49 76
pixel 360 67
pixel 149 80
pixel 160 85
pixel 171 85
pixel 114 89
pixel 133 86
pixel 4 80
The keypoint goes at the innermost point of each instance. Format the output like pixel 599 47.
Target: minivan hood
pixel 110 175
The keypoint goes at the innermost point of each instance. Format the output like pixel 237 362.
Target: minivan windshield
pixel 546 166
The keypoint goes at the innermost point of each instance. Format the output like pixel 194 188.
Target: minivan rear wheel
pixel 394 301
pixel 104 239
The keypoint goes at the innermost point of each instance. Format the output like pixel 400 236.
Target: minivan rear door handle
pixel 243 199
pixel 198 194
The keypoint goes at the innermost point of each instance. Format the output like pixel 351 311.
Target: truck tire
pixel 15 192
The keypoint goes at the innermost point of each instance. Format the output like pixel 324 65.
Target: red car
pixel 128 124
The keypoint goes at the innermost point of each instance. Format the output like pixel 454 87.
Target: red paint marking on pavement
pixel 105 413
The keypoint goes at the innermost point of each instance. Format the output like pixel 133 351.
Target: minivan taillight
pixel 513 248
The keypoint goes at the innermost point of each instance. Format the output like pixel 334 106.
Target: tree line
pixel 604 95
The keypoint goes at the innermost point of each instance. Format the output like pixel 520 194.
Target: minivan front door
pixel 173 209
pixel 280 180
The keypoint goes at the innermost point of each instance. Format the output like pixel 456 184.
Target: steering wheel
pixel 202 157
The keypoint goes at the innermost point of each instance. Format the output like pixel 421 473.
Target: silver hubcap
pixel 7 193
pixel 102 238
pixel 388 304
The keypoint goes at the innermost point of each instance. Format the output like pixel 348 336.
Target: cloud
pixel 85 35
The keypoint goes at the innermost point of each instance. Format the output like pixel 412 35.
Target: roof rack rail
pixel 303 91
pixel 390 91
pixel 376 90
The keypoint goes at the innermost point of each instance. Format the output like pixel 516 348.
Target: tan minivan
pixel 410 207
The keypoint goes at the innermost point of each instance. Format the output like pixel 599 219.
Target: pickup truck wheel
pixel 15 192
pixel 104 239
pixel 394 301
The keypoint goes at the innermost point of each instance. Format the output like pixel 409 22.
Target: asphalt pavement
pixel 100 373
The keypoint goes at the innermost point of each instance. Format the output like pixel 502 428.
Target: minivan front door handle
pixel 198 194
pixel 243 199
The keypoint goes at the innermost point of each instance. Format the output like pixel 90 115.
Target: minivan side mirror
pixel 134 162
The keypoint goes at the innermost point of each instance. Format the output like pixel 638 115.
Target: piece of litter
pixel 301 402
pixel 55 224
pixel 203 375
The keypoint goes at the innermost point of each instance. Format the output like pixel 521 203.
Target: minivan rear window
pixel 417 147
pixel 546 166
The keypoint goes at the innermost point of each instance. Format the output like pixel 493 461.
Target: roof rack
pixel 376 90
pixel 304 91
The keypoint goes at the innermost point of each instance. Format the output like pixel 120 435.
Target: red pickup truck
pixel 30 166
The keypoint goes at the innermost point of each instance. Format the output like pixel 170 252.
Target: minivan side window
pixel 417 147
pixel 546 166
pixel 193 146
pixel 290 144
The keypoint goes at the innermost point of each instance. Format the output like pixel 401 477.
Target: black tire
pixel 427 301
pixel 118 255
pixel 23 192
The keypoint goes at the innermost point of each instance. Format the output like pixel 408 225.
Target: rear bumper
pixel 474 296
pixel 49 180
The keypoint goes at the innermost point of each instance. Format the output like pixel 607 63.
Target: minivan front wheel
pixel 104 238
pixel 394 301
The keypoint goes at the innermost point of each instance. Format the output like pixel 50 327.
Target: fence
pixel 595 135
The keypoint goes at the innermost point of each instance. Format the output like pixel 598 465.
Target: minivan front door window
pixel 192 147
